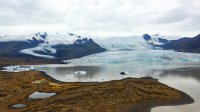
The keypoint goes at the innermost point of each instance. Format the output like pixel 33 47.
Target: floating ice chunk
pixel 13 68
pixel 80 73
pixel 39 95
pixel 17 68
pixel 32 67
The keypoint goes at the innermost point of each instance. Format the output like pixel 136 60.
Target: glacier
pixel 42 47
pixel 135 42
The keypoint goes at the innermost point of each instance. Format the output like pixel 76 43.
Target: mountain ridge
pixel 38 46
pixel 183 44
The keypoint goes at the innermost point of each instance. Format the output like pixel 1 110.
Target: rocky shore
pixel 126 95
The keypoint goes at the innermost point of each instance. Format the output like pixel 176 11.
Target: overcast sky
pixel 101 17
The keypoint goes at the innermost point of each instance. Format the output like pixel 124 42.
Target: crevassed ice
pixel 145 56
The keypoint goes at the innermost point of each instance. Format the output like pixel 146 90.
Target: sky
pixel 101 17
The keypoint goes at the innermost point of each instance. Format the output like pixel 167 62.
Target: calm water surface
pixel 184 79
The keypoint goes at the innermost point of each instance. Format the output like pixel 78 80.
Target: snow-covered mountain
pixel 109 43
pixel 49 45
pixel 158 40
pixel 46 50
pixel 53 46
pixel 37 37
pixel 184 44
pixel 43 37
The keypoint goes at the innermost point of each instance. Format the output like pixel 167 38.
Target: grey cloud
pixel 185 10
pixel 19 12
pixel 173 16
pixel 126 16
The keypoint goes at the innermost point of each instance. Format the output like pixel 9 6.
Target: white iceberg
pixel 80 73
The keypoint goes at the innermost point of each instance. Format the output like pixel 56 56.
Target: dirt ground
pixel 127 95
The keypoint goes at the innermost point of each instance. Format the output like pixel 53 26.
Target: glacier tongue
pixel 124 43
pixel 158 58
pixel 42 47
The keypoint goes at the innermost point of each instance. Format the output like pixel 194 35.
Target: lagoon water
pixel 40 95
pixel 178 70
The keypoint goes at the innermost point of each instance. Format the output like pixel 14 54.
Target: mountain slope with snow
pixel 69 45
pixel 11 45
pixel 185 44
pixel 51 46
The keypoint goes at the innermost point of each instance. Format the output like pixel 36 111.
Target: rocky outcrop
pixel 79 48
pixel 161 40
pixel 186 44
pixel 155 40
pixel 147 37
pixel 191 45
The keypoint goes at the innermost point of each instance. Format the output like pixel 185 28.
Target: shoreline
pixel 138 94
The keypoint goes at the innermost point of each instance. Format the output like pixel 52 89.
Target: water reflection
pixel 67 74
pixel 40 95
pixel 189 85
pixel 186 79
pixel 189 72
pixel 112 71
pixel 19 105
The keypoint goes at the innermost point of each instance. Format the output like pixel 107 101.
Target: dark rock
pixel 124 73
pixel 191 45
pixel 12 48
pixel 71 34
pixel 161 40
pixel 147 37
pixel 78 49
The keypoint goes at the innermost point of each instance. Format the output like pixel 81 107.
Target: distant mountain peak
pixel 155 39
pixel 77 36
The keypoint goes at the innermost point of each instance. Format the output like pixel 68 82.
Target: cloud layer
pixel 101 17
